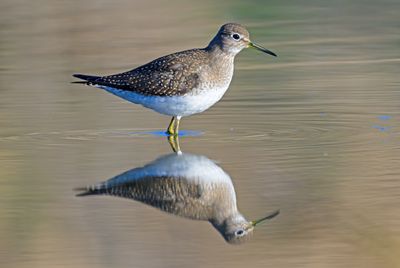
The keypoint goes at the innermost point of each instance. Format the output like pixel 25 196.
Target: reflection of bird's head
pixel 236 229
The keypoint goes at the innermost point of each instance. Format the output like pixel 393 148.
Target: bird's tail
pixel 98 189
pixel 87 78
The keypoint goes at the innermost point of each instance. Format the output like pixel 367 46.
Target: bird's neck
pixel 221 62
pixel 217 50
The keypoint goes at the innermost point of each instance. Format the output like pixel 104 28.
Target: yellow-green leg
pixel 177 121
pixel 173 128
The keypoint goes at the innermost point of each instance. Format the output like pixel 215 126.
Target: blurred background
pixel 314 132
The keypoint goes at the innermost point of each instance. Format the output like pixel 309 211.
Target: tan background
pixel 302 132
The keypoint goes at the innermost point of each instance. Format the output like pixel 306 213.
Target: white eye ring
pixel 239 232
pixel 236 36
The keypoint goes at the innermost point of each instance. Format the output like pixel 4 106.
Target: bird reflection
pixel 187 185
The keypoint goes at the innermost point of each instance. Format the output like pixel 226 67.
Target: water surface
pixel 314 133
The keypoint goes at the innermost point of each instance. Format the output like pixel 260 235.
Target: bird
pixel 183 83
pixel 187 185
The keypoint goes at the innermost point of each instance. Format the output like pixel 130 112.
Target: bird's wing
pixel 172 75
pixel 169 194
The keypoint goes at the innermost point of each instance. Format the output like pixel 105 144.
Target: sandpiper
pixel 183 83
pixel 186 185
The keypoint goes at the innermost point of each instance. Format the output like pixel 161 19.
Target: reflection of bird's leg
pixel 173 128
pixel 174 142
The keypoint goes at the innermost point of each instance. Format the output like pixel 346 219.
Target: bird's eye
pixel 239 232
pixel 236 36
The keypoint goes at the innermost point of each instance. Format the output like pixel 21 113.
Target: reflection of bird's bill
pixel 268 217
pixel 263 49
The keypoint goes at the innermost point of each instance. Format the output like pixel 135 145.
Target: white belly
pixel 173 105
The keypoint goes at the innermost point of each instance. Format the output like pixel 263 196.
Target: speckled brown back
pixel 172 75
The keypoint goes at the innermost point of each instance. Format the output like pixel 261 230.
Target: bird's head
pixel 233 37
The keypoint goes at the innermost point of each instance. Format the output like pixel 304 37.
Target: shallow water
pixel 314 133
